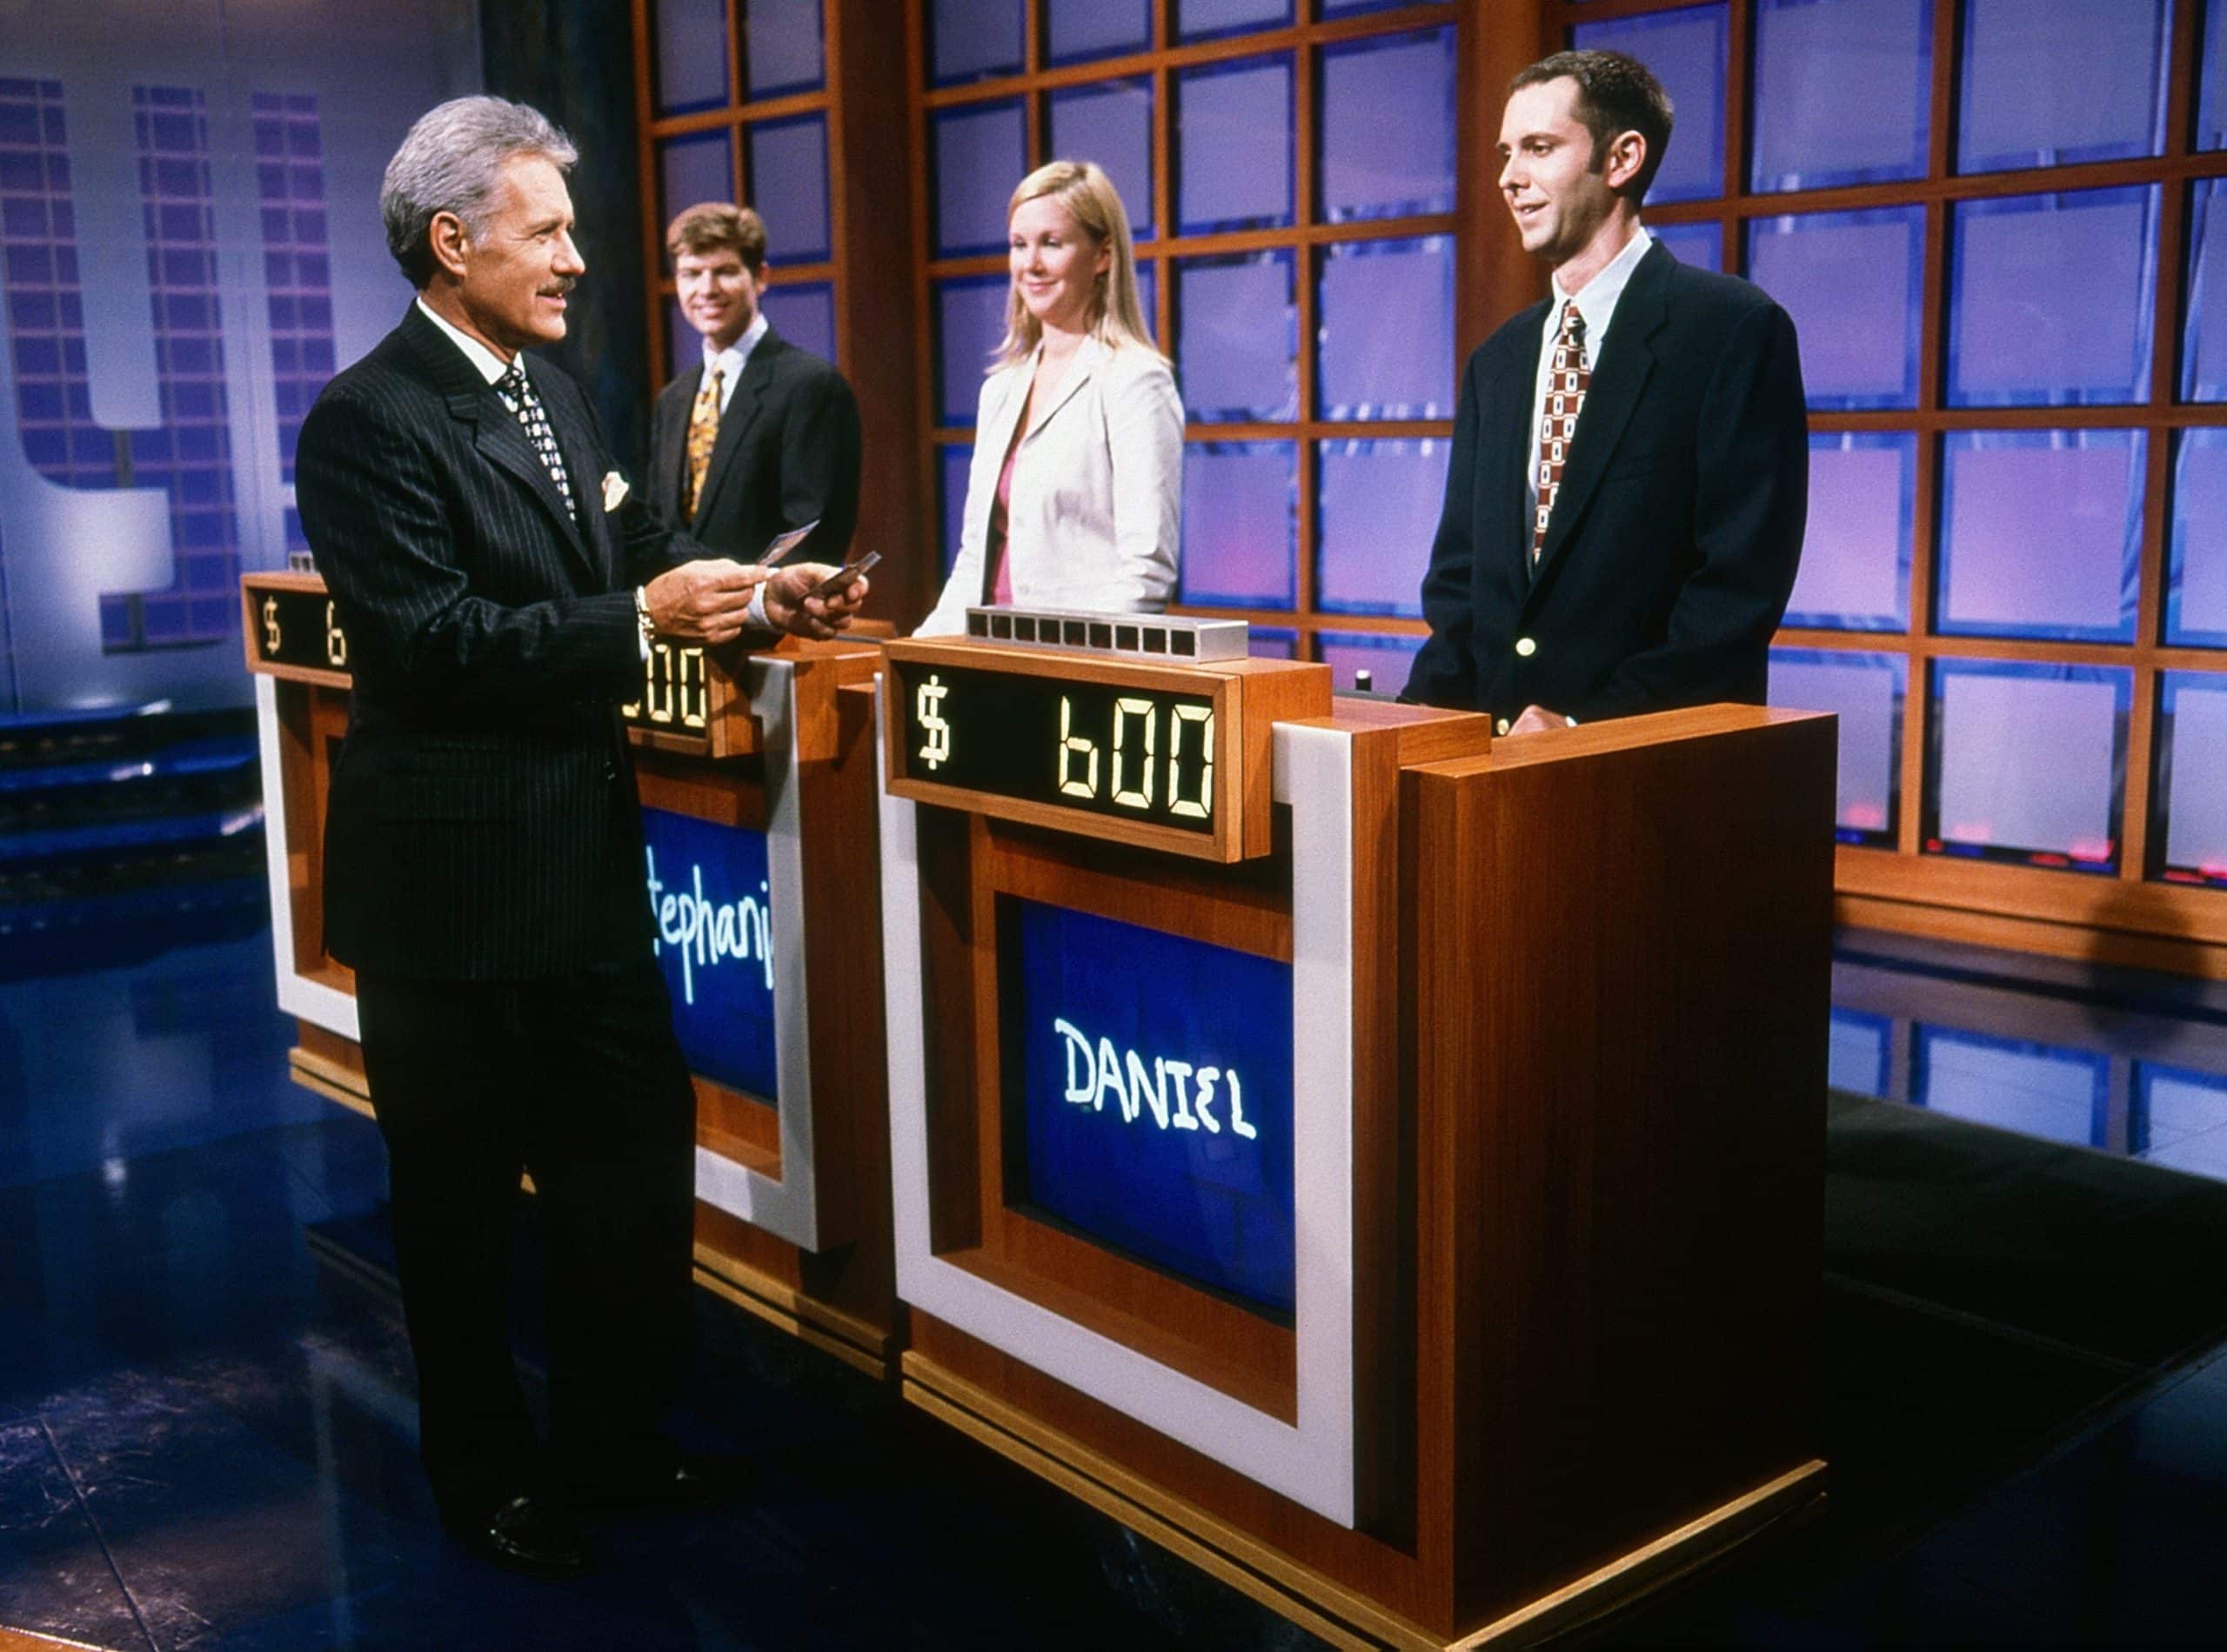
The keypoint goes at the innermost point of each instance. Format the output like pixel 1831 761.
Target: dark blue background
pixel 727 1033
pixel 1216 1209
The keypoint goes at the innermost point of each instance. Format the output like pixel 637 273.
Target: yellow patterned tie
pixel 703 431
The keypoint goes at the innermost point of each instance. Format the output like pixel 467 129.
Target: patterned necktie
pixel 703 431
pixel 1566 381
pixel 516 392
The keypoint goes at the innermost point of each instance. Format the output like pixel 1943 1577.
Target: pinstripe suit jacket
pixel 481 824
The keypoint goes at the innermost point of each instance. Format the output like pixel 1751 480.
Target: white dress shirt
pixel 732 360
pixel 1597 302
pixel 490 365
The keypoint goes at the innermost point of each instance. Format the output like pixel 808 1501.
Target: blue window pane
pixel 1148 295
pixel 2191 817
pixel 804 315
pixel 1859 1050
pixel 2212 106
pixel 952 466
pixel 1855 559
pixel 2040 533
pixel 699 167
pixel 1234 145
pixel 1701 245
pixel 684 344
pixel 2035 1089
pixel 2026 762
pixel 1844 91
pixel 1686 52
pixel 1386 330
pixel 1111 123
pixel 2053 298
pixel 1204 19
pixel 1241 525
pixel 1237 337
pixel 2047 83
pixel 2179 1120
pixel 974 39
pixel 1271 642
pixel 691 55
pixel 1379 504
pixel 1854 284
pixel 781 47
pixel 788 185
pixel 1387 126
pixel 2195 580
pixel 981 151
pixel 1078 30
pixel 970 320
pixel 1865 692
pixel 1386 656
pixel 2203 354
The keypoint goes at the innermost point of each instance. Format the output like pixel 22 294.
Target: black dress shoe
pixel 534 1534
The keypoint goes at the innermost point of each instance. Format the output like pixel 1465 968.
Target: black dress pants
pixel 578 1081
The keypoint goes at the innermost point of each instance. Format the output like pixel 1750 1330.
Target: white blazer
pixel 1097 509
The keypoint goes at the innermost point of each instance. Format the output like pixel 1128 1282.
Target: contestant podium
pixel 759 795
pixel 1382 1168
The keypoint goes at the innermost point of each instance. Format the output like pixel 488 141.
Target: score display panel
pixel 1143 754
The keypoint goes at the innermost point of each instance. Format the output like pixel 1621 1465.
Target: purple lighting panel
pixel 1110 122
pixel 981 151
pixel 297 265
pixel 974 39
pixel 1865 692
pixel 1234 143
pixel 1079 31
pixel 788 185
pixel 1205 19
pixel 2178 1119
pixel 2191 789
pixel 1855 558
pixel 782 51
pixel 804 315
pixel 1387 126
pixel 2053 298
pixel 2027 762
pixel 952 466
pixel 1686 49
pixel 1237 337
pixel 1701 245
pixel 1380 503
pixel 699 167
pixel 2041 1090
pixel 1386 656
pixel 1844 91
pixel 1851 282
pixel 2048 82
pixel 971 319
pixel 1241 525
pixel 2041 534
pixel 691 55
pixel 2196 583
pixel 2203 354
pixel 1386 330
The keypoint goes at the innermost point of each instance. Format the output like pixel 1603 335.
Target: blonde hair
pixel 1116 316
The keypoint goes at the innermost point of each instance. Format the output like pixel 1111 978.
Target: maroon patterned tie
pixel 1566 381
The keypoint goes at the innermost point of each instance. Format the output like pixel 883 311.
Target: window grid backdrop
pixel 2024 688
pixel 733 101
pixel 986 70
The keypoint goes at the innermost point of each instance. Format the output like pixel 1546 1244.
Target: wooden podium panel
pixel 1588 985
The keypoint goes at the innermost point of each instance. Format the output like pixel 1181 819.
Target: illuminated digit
pixel 336 645
pixel 695 688
pixel 1203 805
pixel 661 678
pixel 1073 744
pixel 1138 798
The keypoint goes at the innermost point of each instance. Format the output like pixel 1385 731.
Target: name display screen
pixel 1149 1078
pixel 1134 753
pixel 710 898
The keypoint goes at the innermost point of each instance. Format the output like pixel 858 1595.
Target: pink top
pixel 993 547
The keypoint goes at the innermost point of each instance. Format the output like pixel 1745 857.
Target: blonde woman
pixel 1075 496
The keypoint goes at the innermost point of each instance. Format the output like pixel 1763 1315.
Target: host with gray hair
pixel 451 162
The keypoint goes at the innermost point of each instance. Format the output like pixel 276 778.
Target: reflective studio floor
pixel 206 1423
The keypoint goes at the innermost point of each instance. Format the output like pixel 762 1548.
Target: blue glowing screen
pixel 709 894
pixel 1149 1076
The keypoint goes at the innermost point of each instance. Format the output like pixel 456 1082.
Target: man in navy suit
pixel 1628 485
pixel 483 861
pixel 757 437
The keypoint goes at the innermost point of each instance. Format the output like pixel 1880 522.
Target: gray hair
pixel 449 162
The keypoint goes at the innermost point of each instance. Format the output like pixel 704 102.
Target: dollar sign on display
pixel 927 711
pixel 270 627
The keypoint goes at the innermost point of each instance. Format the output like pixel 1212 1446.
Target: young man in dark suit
pixel 757 437
pixel 1628 483
pixel 483 861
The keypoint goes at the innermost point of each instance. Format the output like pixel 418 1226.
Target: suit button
pixel 1526 647
pixel 1500 727
pixel 610 772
